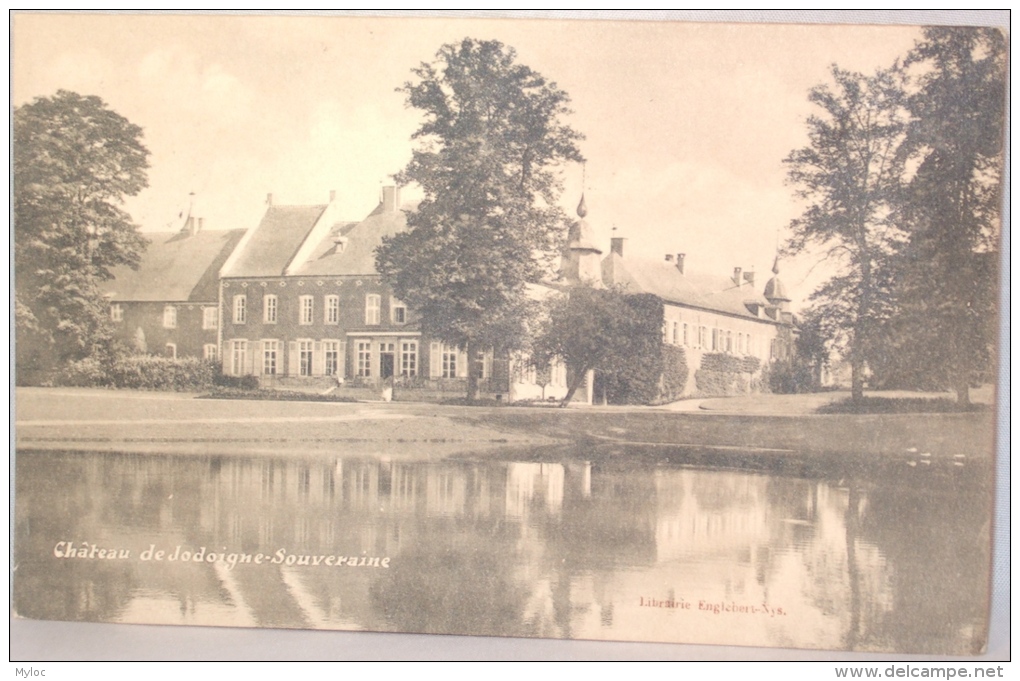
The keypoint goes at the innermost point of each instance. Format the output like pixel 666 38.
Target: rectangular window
pixel 209 351
pixel 269 308
pixel 398 312
pixel 307 310
pixel 373 302
pixel 332 309
pixel 210 317
pixel 305 357
pixel 685 335
pixel 171 351
pixel 449 361
pixel 409 358
pixel 332 356
pixel 238 351
pixel 170 317
pixel 676 333
pixel 240 309
pixel 116 312
pixel 364 359
pixel 270 357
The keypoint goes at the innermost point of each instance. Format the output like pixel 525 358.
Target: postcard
pixel 633 332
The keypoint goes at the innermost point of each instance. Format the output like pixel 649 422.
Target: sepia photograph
pixel 564 336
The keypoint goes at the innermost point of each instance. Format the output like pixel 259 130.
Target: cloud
pixel 176 78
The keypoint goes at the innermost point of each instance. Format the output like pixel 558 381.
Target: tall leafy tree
pixel 492 138
pixel 608 331
pixel 849 176
pixel 75 161
pixel 948 270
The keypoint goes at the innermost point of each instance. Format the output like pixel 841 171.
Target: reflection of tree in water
pixel 443 587
pixel 62 510
pixel 509 548
pixel 933 528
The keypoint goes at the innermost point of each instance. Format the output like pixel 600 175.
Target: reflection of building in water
pixel 703 515
pixel 528 483
pixel 524 548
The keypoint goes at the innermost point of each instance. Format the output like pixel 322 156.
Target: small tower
pixel 775 291
pixel 581 263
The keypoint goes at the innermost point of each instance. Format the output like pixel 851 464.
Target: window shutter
pixel 259 357
pixel 487 364
pixel 435 360
pixel 341 369
pixel 251 358
pixel 318 359
pixel 293 360
pixel 462 364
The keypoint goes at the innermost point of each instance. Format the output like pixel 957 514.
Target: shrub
pixel 674 373
pixel 235 382
pixel 723 374
pixel 84 373
pixel 898 405
pixel 790 376
pixel 141 372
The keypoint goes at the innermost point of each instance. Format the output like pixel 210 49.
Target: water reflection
pixel 555 548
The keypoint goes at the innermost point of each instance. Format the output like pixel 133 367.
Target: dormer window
pixel 398 312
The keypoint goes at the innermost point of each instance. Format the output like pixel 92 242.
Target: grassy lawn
pixel 79 418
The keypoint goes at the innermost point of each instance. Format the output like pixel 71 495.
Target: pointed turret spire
pixel 775 265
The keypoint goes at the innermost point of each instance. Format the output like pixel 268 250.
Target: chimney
pixel 749 278
pixel 669 257
pixel 391 199
pixel 680 261
pixel 737 279
pixel 616 245
pixel 332 195
pixel 269 199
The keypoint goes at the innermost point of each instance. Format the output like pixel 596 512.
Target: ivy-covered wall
pixel 722 374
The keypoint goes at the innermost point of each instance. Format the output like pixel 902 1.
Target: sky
pixel 686 124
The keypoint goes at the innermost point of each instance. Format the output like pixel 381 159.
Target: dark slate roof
pixel 176 267
pixel 275 241
pixel 358 255
pixel 775 289
pixel 692 289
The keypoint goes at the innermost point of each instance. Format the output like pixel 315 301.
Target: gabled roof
pixel 176 267
pixel 271 246
pixel 663 279
pixel 361 239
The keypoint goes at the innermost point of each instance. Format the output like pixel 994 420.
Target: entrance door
pixel 386 360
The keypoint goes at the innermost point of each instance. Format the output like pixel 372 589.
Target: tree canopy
pixel 902 179
pixel 488 151
pixel 947 272
pixel 849 176
pixel 604 330
pixel 75 161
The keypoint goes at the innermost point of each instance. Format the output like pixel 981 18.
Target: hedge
pixel 187 374
pixel 722 374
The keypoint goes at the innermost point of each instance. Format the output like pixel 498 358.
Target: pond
pixel 550 543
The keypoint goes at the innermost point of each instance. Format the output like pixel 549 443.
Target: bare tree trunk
pixel 472 377
pixel 856 380
pixel 574 385
pixel 962 387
